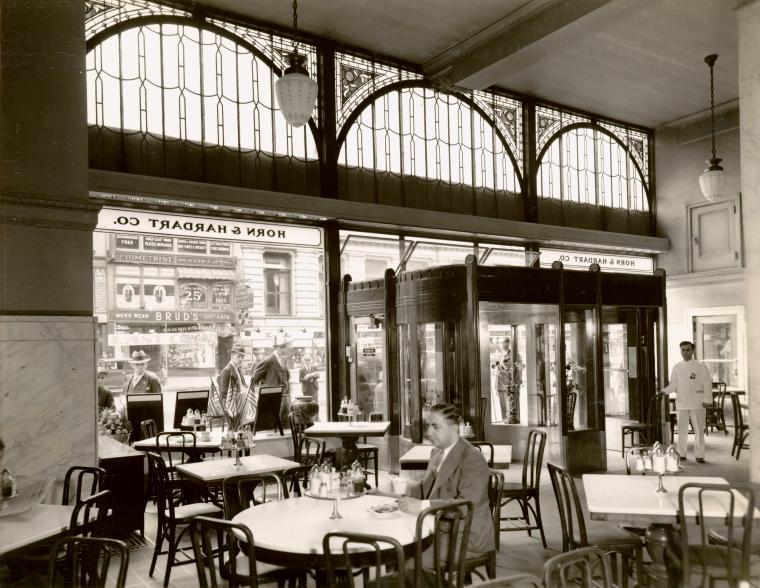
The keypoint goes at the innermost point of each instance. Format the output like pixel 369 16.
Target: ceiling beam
pixel 465 63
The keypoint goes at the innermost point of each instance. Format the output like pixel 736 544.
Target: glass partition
pixel 405 381
pixel 616 368
pixel 370 366
pixel 518 360
pixel 580 389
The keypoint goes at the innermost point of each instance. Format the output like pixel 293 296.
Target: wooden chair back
pixel 570 510
pixel 341 553
pixel 587 567
pixel 88 562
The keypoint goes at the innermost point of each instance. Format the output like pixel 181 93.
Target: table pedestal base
pixel 658 539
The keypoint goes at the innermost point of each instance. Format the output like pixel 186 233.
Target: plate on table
pixel 384 511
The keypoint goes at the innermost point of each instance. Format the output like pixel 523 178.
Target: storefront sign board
pixel 608 262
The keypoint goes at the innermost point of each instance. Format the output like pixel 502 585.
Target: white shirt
pixel 692 384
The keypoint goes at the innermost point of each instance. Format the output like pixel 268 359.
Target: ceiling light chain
pixel 296 91
pixel 713 180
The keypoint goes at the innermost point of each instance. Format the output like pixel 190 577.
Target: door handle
pixel 696 241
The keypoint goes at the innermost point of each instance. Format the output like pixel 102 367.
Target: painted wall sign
pixel 175 260
pixel 172 316
pixel 178 225
pixel 607 262
pixel 197 246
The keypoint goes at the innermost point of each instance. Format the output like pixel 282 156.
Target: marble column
pixel 47 335
pixel 748 21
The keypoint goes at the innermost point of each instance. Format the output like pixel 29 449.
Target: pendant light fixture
pixel 713 180
pixel 296 91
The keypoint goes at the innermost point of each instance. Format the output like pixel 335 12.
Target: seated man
pixel 456 471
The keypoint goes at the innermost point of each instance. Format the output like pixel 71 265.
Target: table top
pixel 348 429
pixel 216 470
pixel 300 540
pixel 627 498
pixel 149 444
pixel 40 522
pixel 419 455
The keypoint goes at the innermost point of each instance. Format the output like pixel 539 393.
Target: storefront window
pixel 185 301
pixel 720 346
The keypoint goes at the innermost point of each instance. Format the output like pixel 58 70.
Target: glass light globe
pixel 712 183
pixel 296 91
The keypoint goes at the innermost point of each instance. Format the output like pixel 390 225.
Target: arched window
pixel 587 163
pixel 172 80
pixel 417 131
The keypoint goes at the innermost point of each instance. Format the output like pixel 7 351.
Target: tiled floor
pixel 518 552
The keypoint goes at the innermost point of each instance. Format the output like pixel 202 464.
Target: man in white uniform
pixel 692 384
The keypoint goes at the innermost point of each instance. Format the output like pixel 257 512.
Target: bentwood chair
pixel 486 449
pixel 173 520
pixel 471 564
pixel 296 480
pixel 246 490
pixel 526 493
pixel 88 562
pixel 306 450
pixel 643 432
pixel 714 416
pixel 80 482
pixel 741 429
pixel 225 555
pixel 369 561
pixel 451 535
pixel 365 452
pixel 731 561
pixel 587 567
pixel 514 581
pixel 148 428
pixel 612 540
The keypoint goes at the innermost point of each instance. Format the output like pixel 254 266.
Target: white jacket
pixel 692 384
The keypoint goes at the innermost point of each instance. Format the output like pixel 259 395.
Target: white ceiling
pixel 639 61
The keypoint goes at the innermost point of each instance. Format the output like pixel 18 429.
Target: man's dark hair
pixel 448 411
pixel 689 343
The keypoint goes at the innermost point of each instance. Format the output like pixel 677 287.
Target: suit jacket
pixel 229 379
pixel 463 475
pixel 148 384
pixel 270 373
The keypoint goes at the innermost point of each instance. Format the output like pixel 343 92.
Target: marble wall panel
pixel 48 405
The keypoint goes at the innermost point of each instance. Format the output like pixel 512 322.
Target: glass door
pixel 370 368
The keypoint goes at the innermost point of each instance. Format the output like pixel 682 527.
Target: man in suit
pixel 273 371
pixel 231 378
pixel 308 375
pixel 456 471
pixel 143 381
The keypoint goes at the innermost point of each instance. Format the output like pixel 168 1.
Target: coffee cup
pixel 400 486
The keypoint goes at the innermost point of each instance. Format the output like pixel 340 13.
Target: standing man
pixel 273 371
pixel 692 384
pixel 143 381
pixel 231 378
pixel 308 375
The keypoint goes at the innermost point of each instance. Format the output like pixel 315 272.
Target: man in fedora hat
pixel 273 371
pixel 232 378
pixel 143 381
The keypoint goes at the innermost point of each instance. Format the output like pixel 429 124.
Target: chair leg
pixel 160 534
pixel 540 521
pixel 491 567
pixel 170 556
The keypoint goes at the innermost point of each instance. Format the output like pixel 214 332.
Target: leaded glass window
pixel 212 86
pixel 589 163
pixel 417 131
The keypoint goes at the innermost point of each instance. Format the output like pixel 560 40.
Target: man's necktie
pixel 435 463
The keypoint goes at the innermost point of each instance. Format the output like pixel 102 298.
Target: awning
pixel 205 273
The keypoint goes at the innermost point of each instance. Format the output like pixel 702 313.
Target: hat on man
pixel 139 357
pixel 238 349
pixel 102 371
pixel 281 340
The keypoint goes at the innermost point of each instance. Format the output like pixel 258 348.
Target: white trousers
pixel 697 416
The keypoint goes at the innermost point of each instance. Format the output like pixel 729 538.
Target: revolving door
pixel 569 352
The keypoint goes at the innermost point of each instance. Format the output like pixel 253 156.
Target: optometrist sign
pixel 608 262
pixel 179 225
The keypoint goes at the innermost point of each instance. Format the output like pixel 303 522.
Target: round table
pixel 289 532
